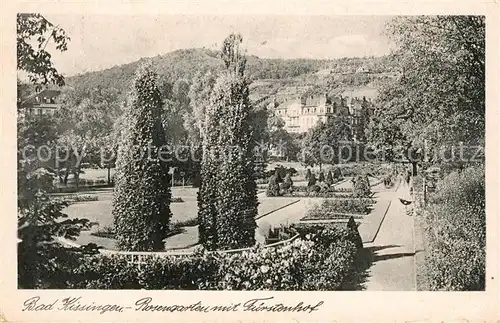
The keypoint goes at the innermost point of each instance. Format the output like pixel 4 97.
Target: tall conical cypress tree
pixel 308 174
pixel 141 205
pixel 207 193
pixel 228 196
pixel 329 178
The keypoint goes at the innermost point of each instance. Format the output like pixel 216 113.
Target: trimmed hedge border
pixel 318 258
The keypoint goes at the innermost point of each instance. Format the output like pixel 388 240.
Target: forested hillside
pixel 185 64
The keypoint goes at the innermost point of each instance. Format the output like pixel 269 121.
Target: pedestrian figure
pixel 404 190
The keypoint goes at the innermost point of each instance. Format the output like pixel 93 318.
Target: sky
pixel 102 41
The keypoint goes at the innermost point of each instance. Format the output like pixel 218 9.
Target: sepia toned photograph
pixel 250 153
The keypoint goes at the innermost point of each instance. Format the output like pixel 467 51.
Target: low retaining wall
pixel 141 257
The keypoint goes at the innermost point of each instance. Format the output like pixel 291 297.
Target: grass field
pixel 100 211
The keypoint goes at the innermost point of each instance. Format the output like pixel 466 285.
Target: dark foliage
pixel 141 205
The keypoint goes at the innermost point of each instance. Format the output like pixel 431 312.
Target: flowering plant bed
pixel 75 198
pixel 328 208
pixel 110 233
pixel 330 189
pixel 280 233
pixel 330 216
pixel 320 259
pixel 318 194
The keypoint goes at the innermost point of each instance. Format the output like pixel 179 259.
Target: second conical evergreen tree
pixel 228 195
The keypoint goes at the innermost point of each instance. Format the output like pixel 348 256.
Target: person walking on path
pixel 404 189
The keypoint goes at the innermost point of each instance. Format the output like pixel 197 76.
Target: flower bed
pixel 75 198
pixel 281 233
pixel 318 194
pixel 175 228
pixel 187 223
pixel 322 259
pixel 330 216
pixel 333 209
pixel 330 189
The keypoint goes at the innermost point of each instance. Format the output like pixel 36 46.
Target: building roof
pixel 287 104
pixel 313 100
pixel 48 93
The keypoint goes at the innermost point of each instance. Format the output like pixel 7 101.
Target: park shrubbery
pixel 356 169
pixel 281 171
pixel 456 232
pixel 321 259
pixel 273 188
pixel 328 208
pixel 361 186
pixel 80 198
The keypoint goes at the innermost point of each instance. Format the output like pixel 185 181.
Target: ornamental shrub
pixel 361 186
pixel 313 189
pixel 336 173
pixel 101 272
pixel 329 178
pixel 278 176
pixel 188 273
pixel 273 188
pixel 308 174
pixel 141 205
pixel 321 177
pixel 287 183
pixel 312 180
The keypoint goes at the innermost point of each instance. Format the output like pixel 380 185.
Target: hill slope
pixel 185 63
pixel 270 74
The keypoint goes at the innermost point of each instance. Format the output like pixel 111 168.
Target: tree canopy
pixel 34 33
pixel 439 99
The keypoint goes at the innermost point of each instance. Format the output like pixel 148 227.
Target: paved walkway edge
pixel 380 224
pixel 281 207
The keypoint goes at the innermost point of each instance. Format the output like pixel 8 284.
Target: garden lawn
pixel 100 212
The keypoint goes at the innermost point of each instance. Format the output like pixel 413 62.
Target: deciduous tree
pixel 439 98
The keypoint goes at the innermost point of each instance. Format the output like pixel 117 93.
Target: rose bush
pixel 321 259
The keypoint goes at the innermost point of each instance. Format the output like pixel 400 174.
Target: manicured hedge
pixel 328 208
pixel 322 259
